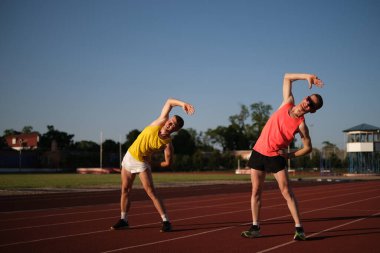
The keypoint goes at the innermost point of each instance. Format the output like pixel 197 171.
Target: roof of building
pixel 363 127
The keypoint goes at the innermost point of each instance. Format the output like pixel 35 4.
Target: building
pixel 363 149
pixel 23 141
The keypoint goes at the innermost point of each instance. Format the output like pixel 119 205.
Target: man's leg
pixel 287 192
pixel 282 178
pixel 257 180
pixel 127 179
pixel 147 182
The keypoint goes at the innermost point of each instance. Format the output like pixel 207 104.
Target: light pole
pixel 20 159
pixel 101 149
pixel 120 151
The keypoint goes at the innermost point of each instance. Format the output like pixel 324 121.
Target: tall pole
pixel 19 161
pixel 120 151
pixel 101 149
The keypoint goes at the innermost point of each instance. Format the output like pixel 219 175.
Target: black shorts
pixel 272 164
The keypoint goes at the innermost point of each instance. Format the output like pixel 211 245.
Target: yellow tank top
pixel 147 143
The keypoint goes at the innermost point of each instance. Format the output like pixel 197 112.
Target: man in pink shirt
pixel 269 155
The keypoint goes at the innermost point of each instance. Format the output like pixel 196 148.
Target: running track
pixel 338 217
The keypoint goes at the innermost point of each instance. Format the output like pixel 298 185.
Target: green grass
pixel 32 181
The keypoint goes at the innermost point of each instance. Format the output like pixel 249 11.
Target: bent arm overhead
pixel 289 78
pixel 169 104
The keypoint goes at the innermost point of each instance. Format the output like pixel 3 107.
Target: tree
pixel 63 140
pixel 229 138
pixel 260 114
pixel 240 134
pixel 88 146
pixel 202 141
pixel 27 129
pixel 245 131
pixel 110 146
pixel 183 143
pixel 240 119
pixel 10 132
pixel 130 138
pixel 3 143
pixel 217 136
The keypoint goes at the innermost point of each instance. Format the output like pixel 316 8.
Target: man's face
pixel 309 104
pixel 171 125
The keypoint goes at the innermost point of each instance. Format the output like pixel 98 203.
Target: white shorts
pixel 132 165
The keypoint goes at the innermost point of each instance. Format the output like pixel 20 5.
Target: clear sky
pixel 86 66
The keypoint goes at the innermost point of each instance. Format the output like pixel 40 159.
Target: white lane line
pixel 133 215
pixel 84 206
pixel 169 240
pixel 142 206
pixel 271 192
pixel 224 228
pixel 304 193
pixel 318 233
pixel 215 214
pixel 172 210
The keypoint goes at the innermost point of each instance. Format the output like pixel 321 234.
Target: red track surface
pixel 338 217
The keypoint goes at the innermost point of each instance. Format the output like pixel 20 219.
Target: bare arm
pixel 168 153
pixel 289 78
pixel 170 103
pixel 306 141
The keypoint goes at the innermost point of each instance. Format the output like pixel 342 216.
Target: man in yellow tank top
pixel 268 155
pixel 137 160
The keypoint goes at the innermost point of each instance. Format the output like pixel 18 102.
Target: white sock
pixel 123 216
pixel 255 223
pixel 298 226
pixel 164 217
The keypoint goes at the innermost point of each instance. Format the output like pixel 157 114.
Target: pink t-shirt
pixel 278 132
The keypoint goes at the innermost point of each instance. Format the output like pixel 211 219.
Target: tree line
pixel 209 150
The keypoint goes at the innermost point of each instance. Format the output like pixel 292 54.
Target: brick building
pixel 23 141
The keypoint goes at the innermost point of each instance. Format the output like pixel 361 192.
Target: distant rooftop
pixel 362 127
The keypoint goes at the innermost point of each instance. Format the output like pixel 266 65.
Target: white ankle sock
pixel 164 217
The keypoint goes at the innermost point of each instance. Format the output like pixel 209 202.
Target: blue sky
pixel 86 66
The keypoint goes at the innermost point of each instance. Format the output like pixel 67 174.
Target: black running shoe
pixel 121 224
pixel 166 226
pixel 252 232
pixel 299 235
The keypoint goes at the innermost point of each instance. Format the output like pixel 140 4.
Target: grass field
pixel 38 181
pixel 9 182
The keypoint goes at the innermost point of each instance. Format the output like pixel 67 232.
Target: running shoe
pixel 121 224
pixel 299 234
pixel 253 232
pixel 166 226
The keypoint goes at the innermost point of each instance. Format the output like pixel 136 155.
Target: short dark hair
pixel 180 121
pixel 320 102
